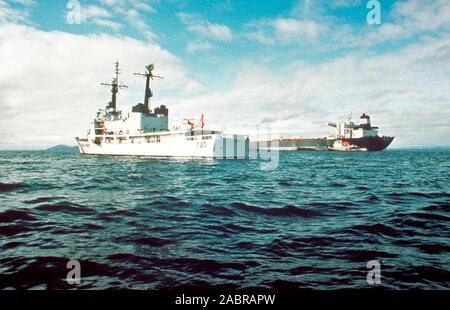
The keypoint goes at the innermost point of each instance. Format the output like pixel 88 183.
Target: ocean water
pixel 313 222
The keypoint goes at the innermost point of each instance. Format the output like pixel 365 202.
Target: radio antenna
pixel 148 90
pixel 115 86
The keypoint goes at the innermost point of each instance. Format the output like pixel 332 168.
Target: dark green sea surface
pixel 313 222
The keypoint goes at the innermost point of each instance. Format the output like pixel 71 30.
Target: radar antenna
pixel 115 86
pixel 148 90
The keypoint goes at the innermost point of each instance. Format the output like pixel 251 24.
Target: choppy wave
pixel 288 210
pixel 8 187
pixel 14 215
pixel 65 207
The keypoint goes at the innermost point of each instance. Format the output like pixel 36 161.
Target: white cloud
pixel 97 15
pixel 89 12
pixel 51 89
pixel 310 25
pixel 313 25
pixel 115 13
pixel 204 28
pixel 424 14
pixel 257 34
pixel 405 92
pixel 135 19
pixel 290 28
pixel 285 30
pixel 108 23
pixel 345 3
pixel 141 5
pixel 10 14
pixel 196 46
pixel 24 2
pixel 408 19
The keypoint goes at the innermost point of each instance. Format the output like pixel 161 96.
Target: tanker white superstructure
pixel 144 132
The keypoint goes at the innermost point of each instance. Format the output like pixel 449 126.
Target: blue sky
pixel 291 65
pixel 171 32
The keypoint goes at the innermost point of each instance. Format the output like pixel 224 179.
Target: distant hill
pixel 63 149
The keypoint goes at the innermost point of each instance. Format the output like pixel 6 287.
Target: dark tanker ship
pixel 350 136
pixel 346 136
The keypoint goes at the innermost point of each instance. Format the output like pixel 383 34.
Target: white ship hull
pixel 167 144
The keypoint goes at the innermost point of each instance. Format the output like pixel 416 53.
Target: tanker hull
pixel 375 143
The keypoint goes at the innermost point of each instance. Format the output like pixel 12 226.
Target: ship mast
pixel 115 86
pixel 148 91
